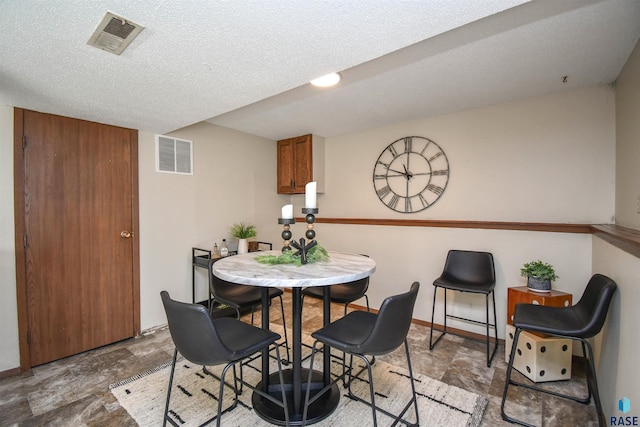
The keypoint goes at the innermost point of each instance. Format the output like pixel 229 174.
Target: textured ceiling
pixel 245 64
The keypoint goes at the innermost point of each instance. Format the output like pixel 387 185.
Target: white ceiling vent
pixel 114 33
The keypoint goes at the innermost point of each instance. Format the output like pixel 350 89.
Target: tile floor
pixel 74 391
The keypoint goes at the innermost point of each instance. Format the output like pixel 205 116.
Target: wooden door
pixel 80 203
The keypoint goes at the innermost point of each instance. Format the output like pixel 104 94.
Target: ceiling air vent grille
pixel 114 33
pixel 174 155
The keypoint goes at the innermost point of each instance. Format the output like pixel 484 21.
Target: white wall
pixel 9 354
pixel 548 159
pixel 617 365
pixel 628 143
pixel 617 345
pixel 234 180
pixel 407 254
pixel 544 159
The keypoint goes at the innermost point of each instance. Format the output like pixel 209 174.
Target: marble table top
pixel 340 268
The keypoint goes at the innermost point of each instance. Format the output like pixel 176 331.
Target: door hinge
pixel 24 241
pixel 24 142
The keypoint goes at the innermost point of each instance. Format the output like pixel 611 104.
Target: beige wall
pixel 505 159
pixel 618 367
pixel 628 143
pixel 9 355
pixel 234 180
pixel 618 347
pixel 546 159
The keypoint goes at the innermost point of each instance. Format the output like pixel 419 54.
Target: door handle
pixel 126 234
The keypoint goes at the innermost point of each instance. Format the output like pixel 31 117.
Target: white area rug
pixel 193 399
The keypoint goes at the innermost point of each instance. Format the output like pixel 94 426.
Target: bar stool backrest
pixel 469 267
pixel 392 324
pixel 594 304
pixel 194 333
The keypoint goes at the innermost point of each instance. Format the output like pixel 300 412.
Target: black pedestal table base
pixel 318 411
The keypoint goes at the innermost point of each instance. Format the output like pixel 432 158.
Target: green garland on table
pixel 315 254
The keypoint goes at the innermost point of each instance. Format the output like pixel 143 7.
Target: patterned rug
pixel 194 397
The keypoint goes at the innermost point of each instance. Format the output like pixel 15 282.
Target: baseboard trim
pixel 10 373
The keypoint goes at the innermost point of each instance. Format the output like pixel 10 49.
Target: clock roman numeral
pixel 425 147
pixel 423 201
pixel 393 151
pixel 394 201
pixel 435 189
pixel 379 177
pixel 442 172
pixel 407 205
pixel 408 142
pixel 383 191
pixel 435 156
pixel 386 165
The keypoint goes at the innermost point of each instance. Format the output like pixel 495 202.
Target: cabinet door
pixel 302 164
pixel 285 166
pixel 294 164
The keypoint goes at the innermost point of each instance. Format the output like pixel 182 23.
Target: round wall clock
pixel 411 174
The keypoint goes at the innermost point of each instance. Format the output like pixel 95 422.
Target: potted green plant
pixel 242 232
pixel 539 275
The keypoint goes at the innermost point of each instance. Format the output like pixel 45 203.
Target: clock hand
pixel 402 174
pixel 396 171
pixel 408 174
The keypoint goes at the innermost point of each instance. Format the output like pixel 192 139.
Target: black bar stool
pixel 579 322
pixel 467 271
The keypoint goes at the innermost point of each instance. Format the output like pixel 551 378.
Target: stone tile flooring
pixel 75 391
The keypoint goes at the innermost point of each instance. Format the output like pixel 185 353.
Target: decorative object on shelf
pixel 224 250
pixel 242 232
pixel 539 275
pixel 411 174
pixel 215 253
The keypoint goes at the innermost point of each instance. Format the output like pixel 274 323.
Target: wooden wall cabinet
pixel 300 160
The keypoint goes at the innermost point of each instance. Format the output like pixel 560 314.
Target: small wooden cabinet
pixel 300 160
pixel 539 357
pixel 522 294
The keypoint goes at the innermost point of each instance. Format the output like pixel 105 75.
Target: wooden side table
pixel 538 357
pixel 522 294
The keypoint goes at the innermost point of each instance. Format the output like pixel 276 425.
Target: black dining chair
pixel 343 293
pixel 579 322
pixel 240 297
pixel 472 272
pixel 210 342
pixel 362 333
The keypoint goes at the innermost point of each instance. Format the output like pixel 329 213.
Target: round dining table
pixel 339 268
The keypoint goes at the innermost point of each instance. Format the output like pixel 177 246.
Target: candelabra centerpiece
pixel 302 246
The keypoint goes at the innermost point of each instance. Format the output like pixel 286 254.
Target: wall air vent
pixel 174 155
pixel 114 33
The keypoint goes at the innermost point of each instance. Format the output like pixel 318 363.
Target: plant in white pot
pixel 242 232
pixel 539 275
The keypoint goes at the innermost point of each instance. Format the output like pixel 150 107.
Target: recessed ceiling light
pixel 326 81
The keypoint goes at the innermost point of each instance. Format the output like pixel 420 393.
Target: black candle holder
pixel 302 246
pixel 286 232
